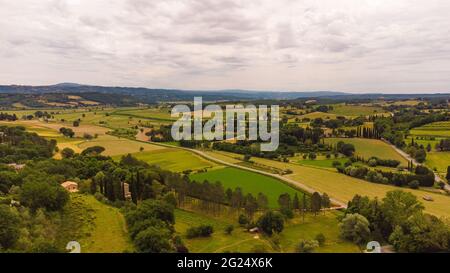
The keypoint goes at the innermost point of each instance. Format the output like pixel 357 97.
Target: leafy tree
pixel 270 222
pixel 421 233
pixel 263 201
pixel 306 246
pixel 152 209
pixel 320 238
pixel 237 198
pixel 229 229
pixel 99 179
pixel 398 206
pixel 316 202
pixel 345 148
pixel 243 220
pixel 326 202
pixel 414 184
pixel 251 205
pixel 9 227
pixel 296 202
pixel 420 155
pixel 67 132
pixel 40 194
pixel 199 231
pixel 170 198
pixel 93 151
pixel 284 200
pixel 67 153
pixel 154 240
pixel 355 227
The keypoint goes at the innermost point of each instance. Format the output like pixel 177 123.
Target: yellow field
pixel 315 115
pixel 118 146
pixel 370 147
pixel 356 110
pixel 343 188
pixel 439 160
pixel 175 159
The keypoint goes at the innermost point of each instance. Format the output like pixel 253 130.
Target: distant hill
pixel 133 95
pixel 148 95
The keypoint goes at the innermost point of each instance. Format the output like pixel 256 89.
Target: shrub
pixel 355 227
pixel 199 231
pixel 336 164
pixel 320 238
pixel 229 229
pixel 271 222
pixel 306 246
pixel 372 162
pixel 243 220
pixel 414 184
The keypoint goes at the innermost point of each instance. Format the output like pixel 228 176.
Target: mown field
pixel 370 147
pixel 438 160
pixel 243 241
pixel 355 110
pixel 157 114
pixel 321 115
pixel 118 146
pixel 249 183
pixel 98 228
pixel 438 129
pixel 174 159
pixel 321 162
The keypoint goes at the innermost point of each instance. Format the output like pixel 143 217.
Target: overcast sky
pixel 297 45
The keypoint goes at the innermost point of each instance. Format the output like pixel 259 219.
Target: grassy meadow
pixel 174 159
pixel 356 110
pixel 343 187
pixel 437 129
pixel 242 241
pixel 249 182
pixel 370 147
pixel 98 228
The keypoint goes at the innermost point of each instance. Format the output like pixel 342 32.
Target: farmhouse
pixel 70 186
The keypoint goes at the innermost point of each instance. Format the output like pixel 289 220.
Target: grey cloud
pixel 209 44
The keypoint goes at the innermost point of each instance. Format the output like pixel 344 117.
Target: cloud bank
pixel 345 45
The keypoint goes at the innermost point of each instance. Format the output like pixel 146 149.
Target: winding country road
pixel 414 161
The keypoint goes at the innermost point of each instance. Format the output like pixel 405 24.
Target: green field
pixel 98 228
pixel 249 182
pixel 321 115
pixel 439 160
pixel 239 241
pixel 424 140
pixel 174 160
pixel 370 147
pixel 243 241
pixel 355 110
pixel 156 114
pixel 322 163
pixel 119 146
pixel 438 129
pixel 343 187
